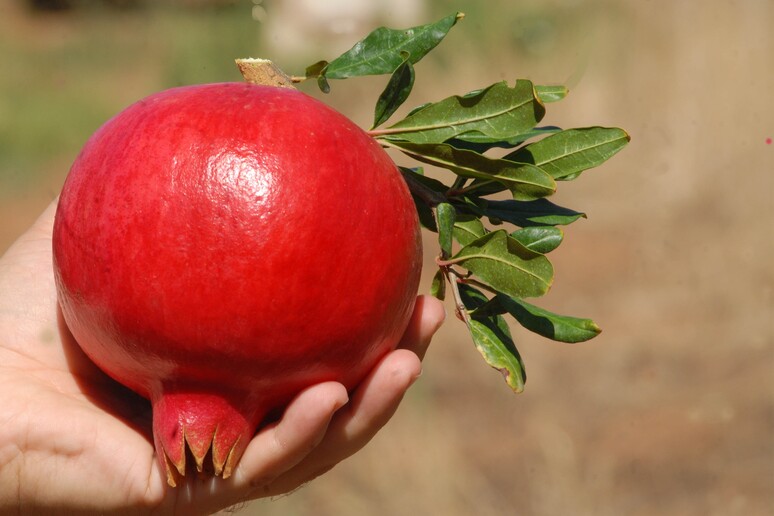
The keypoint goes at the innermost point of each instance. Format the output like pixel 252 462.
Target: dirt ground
pixel 670 410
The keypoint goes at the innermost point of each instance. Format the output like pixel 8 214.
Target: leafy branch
pixel 492 251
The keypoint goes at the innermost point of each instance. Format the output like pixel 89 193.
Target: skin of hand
pixel 73 441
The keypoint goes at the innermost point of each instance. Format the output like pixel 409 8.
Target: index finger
pixel 428 316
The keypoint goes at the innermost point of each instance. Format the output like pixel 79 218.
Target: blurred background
pixel 670 410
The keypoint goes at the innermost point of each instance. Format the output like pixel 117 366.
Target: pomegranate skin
pixel 218 248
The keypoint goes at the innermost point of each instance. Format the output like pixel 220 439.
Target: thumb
pixel 35 241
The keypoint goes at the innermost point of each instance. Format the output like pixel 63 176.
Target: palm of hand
pixel 71 439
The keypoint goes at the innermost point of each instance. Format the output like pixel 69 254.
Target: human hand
pixel 74 441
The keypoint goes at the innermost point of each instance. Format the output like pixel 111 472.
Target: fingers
pixel 282 445
pixel 44 224
pixel 428 316
pixel 274 450
pixel 28 301
pixel 37 239
pixel 372 405
pixel 374 402
pixel 316 432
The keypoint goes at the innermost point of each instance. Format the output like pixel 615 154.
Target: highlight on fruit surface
pixel 220 247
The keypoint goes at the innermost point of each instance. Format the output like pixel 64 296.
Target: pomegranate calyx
pixel 212 429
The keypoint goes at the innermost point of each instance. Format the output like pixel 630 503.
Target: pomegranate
pixel 218 248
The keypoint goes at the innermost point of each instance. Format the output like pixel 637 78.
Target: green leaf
pixel 551 93
pixel 561 328
pixel 541 212
pixel 499 112
pixel 445 214
pixel 396 92
pixel 526 182
pixel 566 154
pixel 473 298
pixel 417 174
pixel 315 70
pixel 380 52
pixel 322 83
pixel 438 285
pixel 541 239
pixel 419 108
pixel 507 266
pixel 426 192
pixel 424 213
pixel 424 206
pixel 468 228
pixel 493 340
pixel 481 143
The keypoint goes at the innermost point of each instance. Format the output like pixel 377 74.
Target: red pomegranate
pixel 218 248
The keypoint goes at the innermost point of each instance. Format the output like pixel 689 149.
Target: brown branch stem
pixel 263 72
pixel 459 307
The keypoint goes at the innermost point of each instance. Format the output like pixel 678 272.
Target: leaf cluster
pixel 494 221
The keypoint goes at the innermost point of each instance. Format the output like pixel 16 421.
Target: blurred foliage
pixel 71 64
pixel 67 71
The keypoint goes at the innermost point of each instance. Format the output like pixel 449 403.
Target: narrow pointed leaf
pixel 468 228
pixel 481 143
pixel 541 212
pixel 380 52
pixel 557 327
pixel 484 187
pixel 541 239
pixel 566 154
pixel 322 83
pixel 424 213
pixel 504 264
pixel 314 70
pixel 493 340
pixel 419 108
pixel 438 285
pixel 525 181
pixel 445 214
pixel 396 92
pixel 499 112
pixel 498 350
pixel 548 94
pixel 417 174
